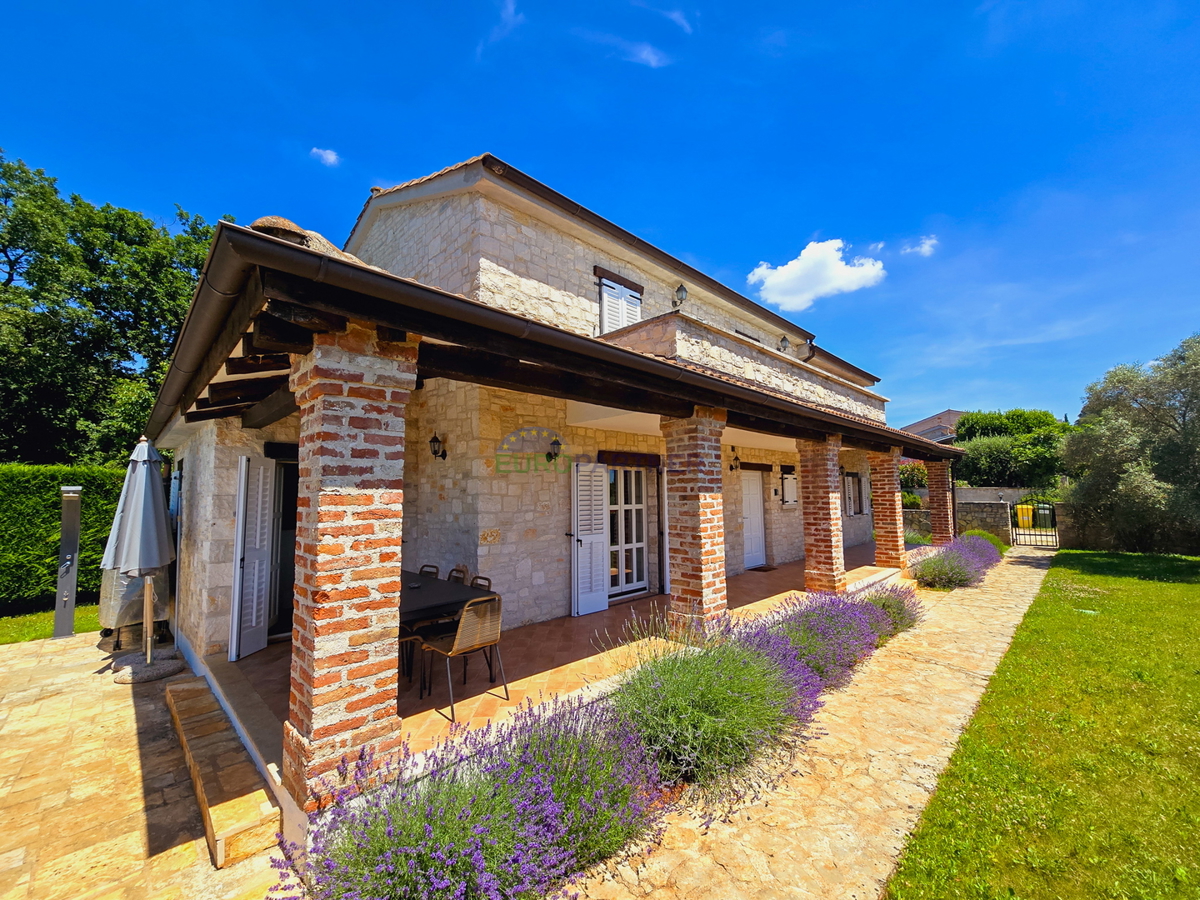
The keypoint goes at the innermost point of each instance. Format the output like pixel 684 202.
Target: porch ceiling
pixel 268 296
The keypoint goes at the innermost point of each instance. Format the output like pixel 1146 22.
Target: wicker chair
pixel 478 631
pixel 457 575
pixel 433 571
pixel 482 582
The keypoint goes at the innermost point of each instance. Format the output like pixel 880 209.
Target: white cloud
pixel 819 271
pixel 876 247
pixel 325 157
pixel 675 15
pixel 925 247
pixel 631 51
pixel 509 20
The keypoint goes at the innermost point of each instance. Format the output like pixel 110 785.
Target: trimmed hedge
pixel 30 518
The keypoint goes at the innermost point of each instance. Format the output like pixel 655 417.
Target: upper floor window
pixel 620 301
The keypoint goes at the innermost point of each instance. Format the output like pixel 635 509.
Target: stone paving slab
pixel 95 798
pixel 836 829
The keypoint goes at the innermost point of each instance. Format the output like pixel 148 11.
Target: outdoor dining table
pixel 424 597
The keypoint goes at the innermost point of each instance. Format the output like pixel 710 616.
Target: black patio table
pixel 424 597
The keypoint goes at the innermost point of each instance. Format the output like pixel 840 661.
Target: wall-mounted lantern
pixel 737 463
pixel 680 296
pixel 554 451
pixel 784 343
pixel 436 448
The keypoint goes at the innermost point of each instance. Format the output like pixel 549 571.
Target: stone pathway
pixel 837 829
pixel 95 798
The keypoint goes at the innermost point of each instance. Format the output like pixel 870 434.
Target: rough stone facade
pixel 678 336
pixel 994 516
pixel 695 519
pixel 352 389
pixel 208 461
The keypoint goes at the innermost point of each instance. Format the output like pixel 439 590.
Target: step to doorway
pixel 240 815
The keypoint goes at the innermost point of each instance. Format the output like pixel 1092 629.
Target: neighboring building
pixel 938 428
pixel 611 423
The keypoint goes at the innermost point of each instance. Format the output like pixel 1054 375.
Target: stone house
pixel 491 376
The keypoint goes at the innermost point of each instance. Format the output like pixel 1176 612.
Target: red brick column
pixel 887 509
pixel 821 505
pixel 695 520
pixel 941 502
pixel 352 390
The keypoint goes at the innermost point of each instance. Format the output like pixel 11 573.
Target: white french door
pixel 754 544
pixel 589 582
pixel 253 548
pixel 627 547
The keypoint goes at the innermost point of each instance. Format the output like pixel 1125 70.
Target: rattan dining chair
pixel 481 581
pixel 478 631
pixel 433 571
pixel 458 575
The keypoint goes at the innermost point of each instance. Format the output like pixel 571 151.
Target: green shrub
pixel 944 571
pixel 992 539
pixel 915 537
pixel 913 475
pixel 910 500
pixel 706 713
pixel 30 518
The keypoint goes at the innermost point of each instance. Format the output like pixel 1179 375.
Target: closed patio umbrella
pixel 139 544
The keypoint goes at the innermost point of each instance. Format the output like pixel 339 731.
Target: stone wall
pixel 678 336
pixel 208 497
pixel 917 520
pixel 993 516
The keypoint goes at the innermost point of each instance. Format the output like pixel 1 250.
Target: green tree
pixel 1013 422
pixel 1136 456
pixel 91 298
pixel 1016 448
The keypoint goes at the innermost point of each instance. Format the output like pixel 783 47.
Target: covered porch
pixel 344 350
pixel 542 660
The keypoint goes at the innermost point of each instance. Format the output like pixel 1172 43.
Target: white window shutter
pixel 619 306
pixel 253 555
pixel 590 553
pixel 790 494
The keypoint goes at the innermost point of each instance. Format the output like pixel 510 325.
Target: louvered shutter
pixel 619 306
pixel 590 570
pixel 253 556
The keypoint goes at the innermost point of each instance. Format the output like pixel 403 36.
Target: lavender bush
pixel 898 602
pixel 961 563
pixel 507 811
pixel 830 632
pixel 707 712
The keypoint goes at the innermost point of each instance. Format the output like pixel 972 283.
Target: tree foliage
pixel 1017 448
pixel 90 300
pixel 1136 456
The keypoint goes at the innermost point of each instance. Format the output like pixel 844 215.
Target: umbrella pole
pixel 148 619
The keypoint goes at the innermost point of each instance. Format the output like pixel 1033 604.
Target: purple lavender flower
pixel 899 604
pixel 961 563
pixel 509 810
pixel 831 632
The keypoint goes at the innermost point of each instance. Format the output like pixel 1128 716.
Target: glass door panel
pixel 627 530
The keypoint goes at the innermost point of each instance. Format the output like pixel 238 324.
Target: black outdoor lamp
pixel 554 451
pixel 784 343
pixel 737 463
pixel 436 448
pixel 680 296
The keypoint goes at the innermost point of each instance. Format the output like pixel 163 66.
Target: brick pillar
pixel 821 505
pixel 941 502
pixel 352 389
pixel 888 509
pixel 695 524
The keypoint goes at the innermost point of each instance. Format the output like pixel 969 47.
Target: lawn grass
pixel 1079 776
pixel 34 626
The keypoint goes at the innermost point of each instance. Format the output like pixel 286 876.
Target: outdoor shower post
pixel 68 563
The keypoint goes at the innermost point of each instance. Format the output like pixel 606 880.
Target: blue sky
pixel 1051 149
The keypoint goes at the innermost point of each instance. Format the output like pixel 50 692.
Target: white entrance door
pixel 754 542
pixel 252 556
pixel 589 592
